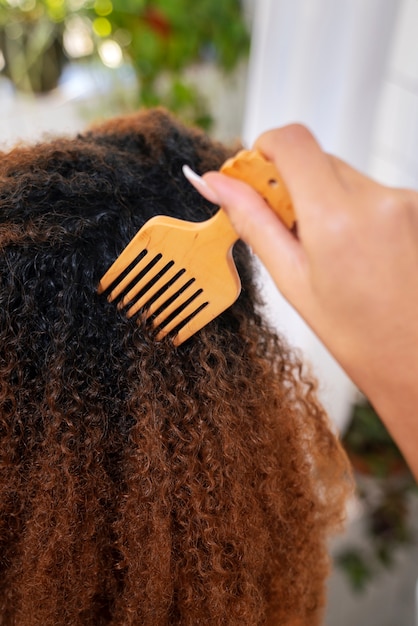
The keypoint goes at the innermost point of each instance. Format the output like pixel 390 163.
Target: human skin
pixel 351 272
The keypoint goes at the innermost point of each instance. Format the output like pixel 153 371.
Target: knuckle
pixel 396 206
pixel 296 133
pixel 291 134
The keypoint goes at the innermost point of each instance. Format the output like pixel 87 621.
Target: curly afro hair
pixel 142 484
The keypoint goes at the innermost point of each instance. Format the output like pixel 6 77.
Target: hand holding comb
pixel 180 275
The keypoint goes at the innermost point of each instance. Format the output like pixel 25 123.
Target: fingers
pixel 258 226
pixel 200 185
pixel 248 212
pixel 307 170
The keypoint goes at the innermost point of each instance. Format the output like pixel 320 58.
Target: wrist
pixel 395 399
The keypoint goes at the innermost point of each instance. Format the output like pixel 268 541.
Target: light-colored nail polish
pixel 192 176
pixel 200 184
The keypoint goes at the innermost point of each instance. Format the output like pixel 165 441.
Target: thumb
pixel 257 224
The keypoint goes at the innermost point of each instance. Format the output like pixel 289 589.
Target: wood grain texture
pixel 192 277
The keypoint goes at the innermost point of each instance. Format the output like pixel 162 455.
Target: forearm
pixel 395 399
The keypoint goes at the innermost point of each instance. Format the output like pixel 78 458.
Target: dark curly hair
pixel 142 484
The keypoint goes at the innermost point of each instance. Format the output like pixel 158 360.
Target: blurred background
pixel 349 70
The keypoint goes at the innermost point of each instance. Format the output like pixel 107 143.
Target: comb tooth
pixel 196 321
pixel 149 283
pixel 187 296
pixel 171 293
pixel 170 290
pixel 189 310
pixel 144 265
pixel 132 254
pixel 161 284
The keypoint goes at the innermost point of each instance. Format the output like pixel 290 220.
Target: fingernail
pixel 200 184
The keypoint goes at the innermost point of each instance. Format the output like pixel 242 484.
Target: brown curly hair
pixel 142 484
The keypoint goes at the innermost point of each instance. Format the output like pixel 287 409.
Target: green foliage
pixel 30 40
pixel 168 36
pixel 160 38
pixel 384 486
pixel 174 33
pixel 368 439
pixel 31 10
pixel 356 567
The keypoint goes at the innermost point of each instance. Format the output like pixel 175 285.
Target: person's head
pixel 141 483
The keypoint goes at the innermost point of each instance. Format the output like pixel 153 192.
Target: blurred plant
pixel 31 43
pixel 384 486
pixel 160 38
